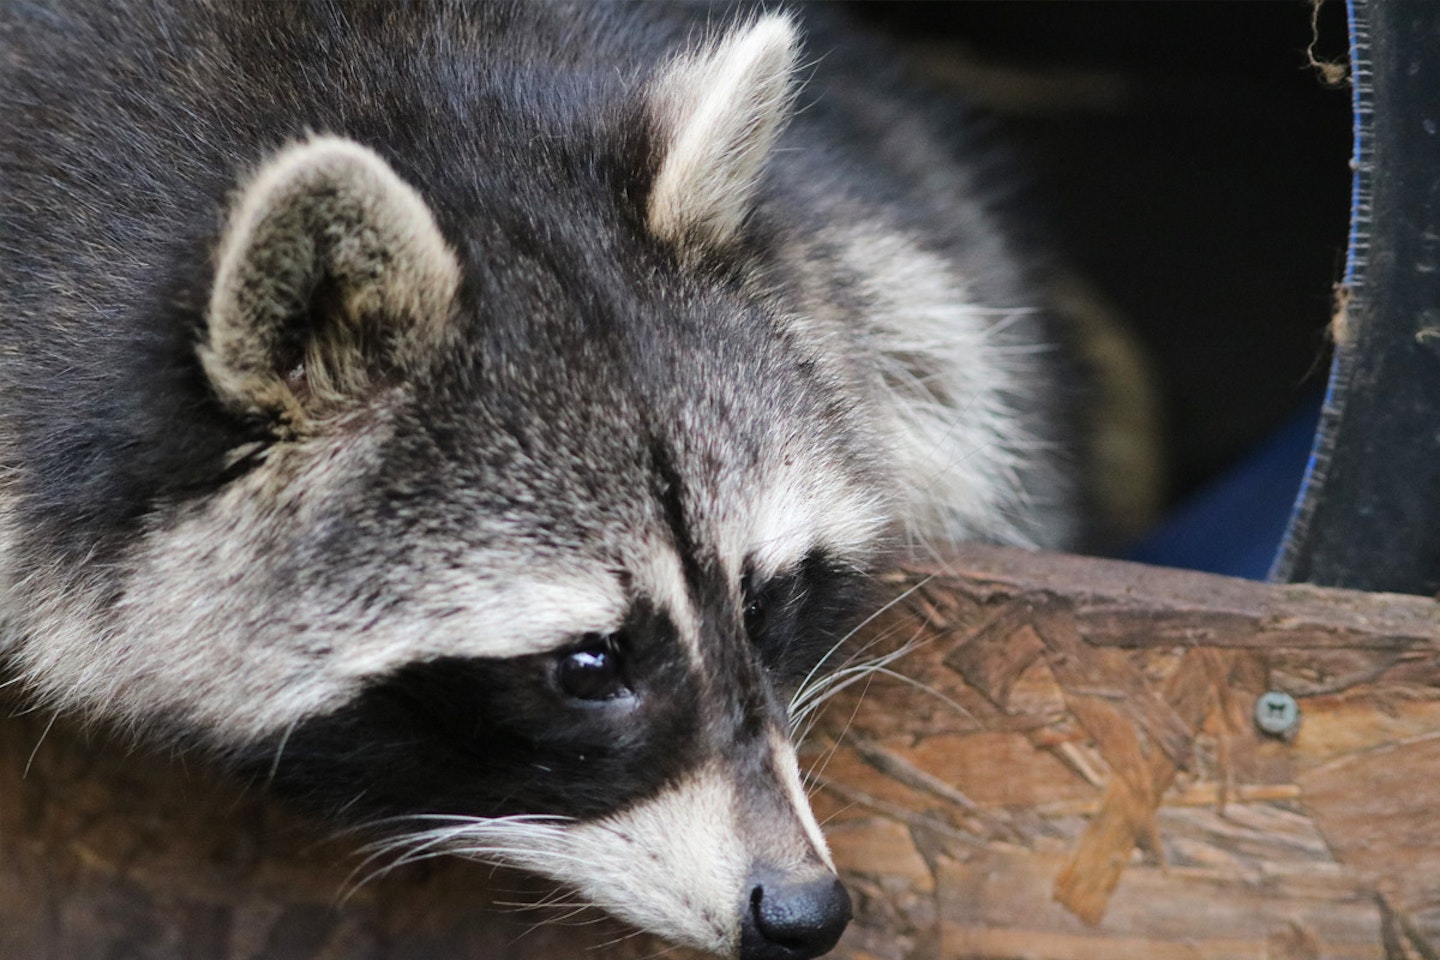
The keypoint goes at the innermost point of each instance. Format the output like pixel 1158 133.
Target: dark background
pixel 1193 166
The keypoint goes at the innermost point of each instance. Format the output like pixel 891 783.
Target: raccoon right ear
pixel 715 114
pixel 331 271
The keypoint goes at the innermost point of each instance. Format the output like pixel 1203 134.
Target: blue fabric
pixel 1235 525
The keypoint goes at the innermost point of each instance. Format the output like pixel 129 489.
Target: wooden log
pixel 1058 760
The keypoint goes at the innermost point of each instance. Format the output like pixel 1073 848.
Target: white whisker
pixel 802 691
pixel 279 751
pixel 33 753
pixel 813 774
pixel 530 841
pixel 843 678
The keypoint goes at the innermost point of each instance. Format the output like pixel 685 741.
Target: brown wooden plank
pixel 1127 604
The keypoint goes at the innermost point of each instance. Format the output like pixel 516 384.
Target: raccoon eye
pixel 756 617
pixel 593 672
pixel 762 604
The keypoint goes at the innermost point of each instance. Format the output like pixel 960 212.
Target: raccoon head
pixel 540 533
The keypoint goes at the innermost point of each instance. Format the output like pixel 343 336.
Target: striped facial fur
pixel 482 422
pixel 647 766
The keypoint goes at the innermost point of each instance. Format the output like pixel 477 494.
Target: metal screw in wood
pixel 1277 713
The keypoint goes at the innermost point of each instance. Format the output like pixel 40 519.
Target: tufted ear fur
pixel 716 113
pixel 330 269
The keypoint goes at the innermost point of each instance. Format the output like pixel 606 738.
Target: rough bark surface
pixel 1059 763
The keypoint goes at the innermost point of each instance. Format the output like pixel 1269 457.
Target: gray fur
pixel 340 340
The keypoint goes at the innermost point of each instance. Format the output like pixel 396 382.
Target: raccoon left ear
pixel 330 270
pixel 715 114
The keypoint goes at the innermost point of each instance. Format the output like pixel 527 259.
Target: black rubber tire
pixel 1368 513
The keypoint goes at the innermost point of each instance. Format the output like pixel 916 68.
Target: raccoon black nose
pixel 793 920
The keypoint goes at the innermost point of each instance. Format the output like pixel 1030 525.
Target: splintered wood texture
pixel 1058 761
pixel 1064 764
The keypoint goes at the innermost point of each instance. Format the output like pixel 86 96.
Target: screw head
pixel 1277 713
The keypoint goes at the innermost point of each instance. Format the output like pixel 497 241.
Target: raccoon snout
pixel 793 920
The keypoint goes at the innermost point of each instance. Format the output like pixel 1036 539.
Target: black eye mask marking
pixel 795 618
pixel 577 733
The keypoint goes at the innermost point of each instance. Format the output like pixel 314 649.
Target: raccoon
pixel 484 420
